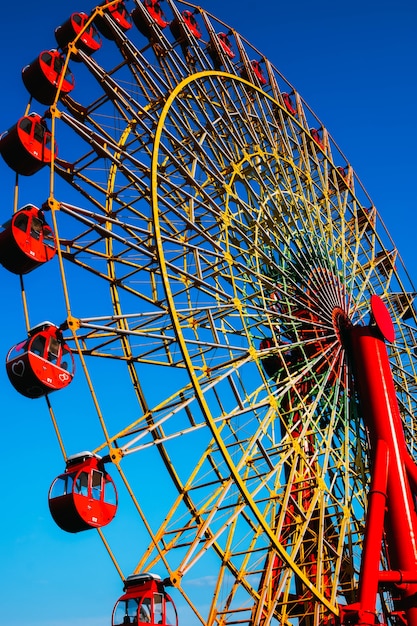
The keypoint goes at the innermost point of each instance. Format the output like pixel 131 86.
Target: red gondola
pixel 342 181
pixel 317 138
pixel 141 17
pixel 257 70
pixel 190 23
pixel 43 76
pixel 225 46
pixel 256 66
pixel 27 146
pixel 145 602
pixel 85 496
pixel 89 42
pixel 289 104
pixel 181 31
pixel 27 241
pixel 40 364
pixel 119 14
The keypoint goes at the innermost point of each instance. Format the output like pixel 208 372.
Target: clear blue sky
pixel 356 65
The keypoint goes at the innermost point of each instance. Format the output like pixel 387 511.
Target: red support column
pixel 371 557
pixel 379 407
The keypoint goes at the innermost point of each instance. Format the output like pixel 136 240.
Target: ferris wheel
pixel 214 249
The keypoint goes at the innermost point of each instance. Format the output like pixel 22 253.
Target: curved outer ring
pixel 182 343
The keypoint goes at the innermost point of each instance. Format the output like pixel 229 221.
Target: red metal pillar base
pixel 379 407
